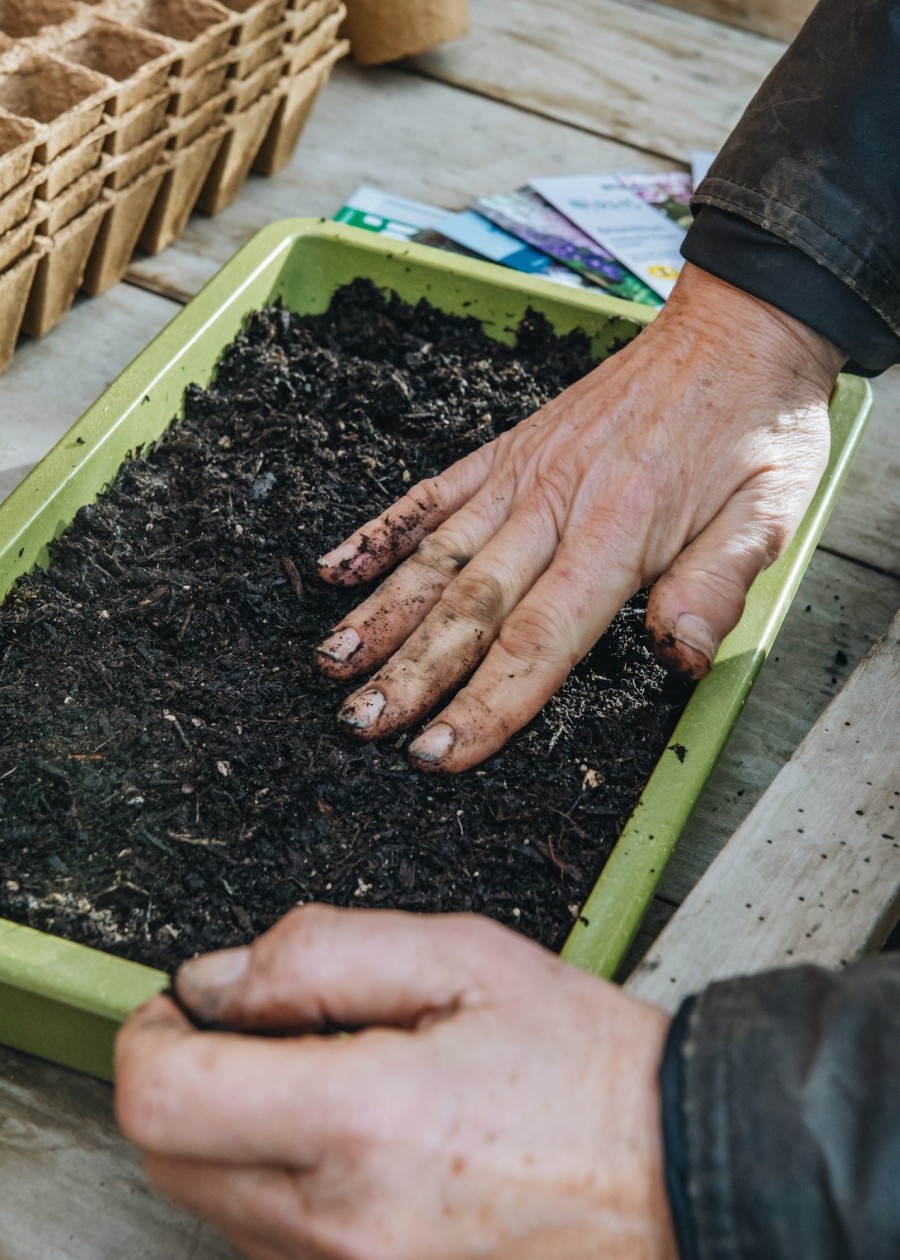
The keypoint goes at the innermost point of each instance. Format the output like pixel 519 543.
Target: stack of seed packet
pixel 621 233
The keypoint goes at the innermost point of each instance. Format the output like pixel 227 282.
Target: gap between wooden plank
pixel 421 70
pixel 652 77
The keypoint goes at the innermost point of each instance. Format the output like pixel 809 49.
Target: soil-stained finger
pixel 394 535
pixel 456 634
pixel 377 627
pixel 547 633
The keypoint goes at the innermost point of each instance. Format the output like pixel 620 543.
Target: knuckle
pixel 440 555
pixel 475 596
pixel 536 634
pixel 766 540
pixel 304 926
pixel 431 494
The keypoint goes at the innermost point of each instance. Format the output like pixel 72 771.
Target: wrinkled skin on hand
pixel 687 460
pixel 498 1105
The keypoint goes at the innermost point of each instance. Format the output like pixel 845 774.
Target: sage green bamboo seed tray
pixel 64 1001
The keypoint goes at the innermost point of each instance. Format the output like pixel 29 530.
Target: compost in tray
pixel 172 777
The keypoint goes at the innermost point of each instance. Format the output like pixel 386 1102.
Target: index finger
pixel 396 533
pixel 229 1098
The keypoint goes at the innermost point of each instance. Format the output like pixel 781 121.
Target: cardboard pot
pixel 387 30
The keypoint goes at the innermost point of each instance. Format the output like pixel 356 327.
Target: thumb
pixel 702 595
pixel 322 969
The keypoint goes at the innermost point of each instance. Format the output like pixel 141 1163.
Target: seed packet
pixel 644 240
pixel 533 220
pixel 483 240
pixel 668 191
pixel 397 217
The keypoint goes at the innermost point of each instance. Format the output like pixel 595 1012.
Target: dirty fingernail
pixel 694 633
pixel 363 710
pixel 340 555
pixel 340 646
pixel 211 973
pixel 434 744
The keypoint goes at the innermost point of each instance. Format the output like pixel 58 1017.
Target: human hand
pixel 690 457
pixel 499 1104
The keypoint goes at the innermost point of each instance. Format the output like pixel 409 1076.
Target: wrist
pixel 733 326
pixel 638 1040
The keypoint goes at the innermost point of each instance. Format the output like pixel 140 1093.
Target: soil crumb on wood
pixel 172 778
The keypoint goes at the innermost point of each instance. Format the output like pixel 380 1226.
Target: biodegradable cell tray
pixel 15 286
pixel 78 197
pixel 297 98
pixel 318 41
pixel 242 93
pixel 190 94
pixel 124 170
pixel 248 59
pixel 65 102
pixel 135 63
pixel 64 1001
pixel 61 271
pixel 200 30
pixel 179 191
pixel 18 141
pixel 124 219
pixel 254 17
pixel 18 240
pixel 243 139
pixel 184 131
pixel 26 19
pixel 55 177
pixel 138 125
pixel 302 20
pixel 16 205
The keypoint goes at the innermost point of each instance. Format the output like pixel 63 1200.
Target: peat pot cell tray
pixel 174 779
pixel 18 141
pixel 136 62
pixel 201 29
pixel 23 19
pixel 66 101
pixel 255 17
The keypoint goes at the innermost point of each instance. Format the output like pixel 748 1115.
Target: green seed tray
pixel 63 1001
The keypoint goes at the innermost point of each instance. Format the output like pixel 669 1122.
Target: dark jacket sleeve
pixel 781 1101
pixel 802 206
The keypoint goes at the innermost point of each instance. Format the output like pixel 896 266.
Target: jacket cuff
pixel 789 1115
pixel 675 1137
pixel 760 263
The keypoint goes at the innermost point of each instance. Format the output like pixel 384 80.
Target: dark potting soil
pixel 172 778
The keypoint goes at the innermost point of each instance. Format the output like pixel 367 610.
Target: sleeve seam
pixel 736 207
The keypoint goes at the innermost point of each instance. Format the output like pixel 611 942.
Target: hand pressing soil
pixel 172 777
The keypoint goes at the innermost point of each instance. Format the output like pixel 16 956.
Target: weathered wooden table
pixel 580 85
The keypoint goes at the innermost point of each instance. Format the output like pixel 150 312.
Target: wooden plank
pixel 396 131
pixel 636 71
pixel 813 875
pixel 71 1188
pixel 51 382
pixel 840 608
pixel 780 19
